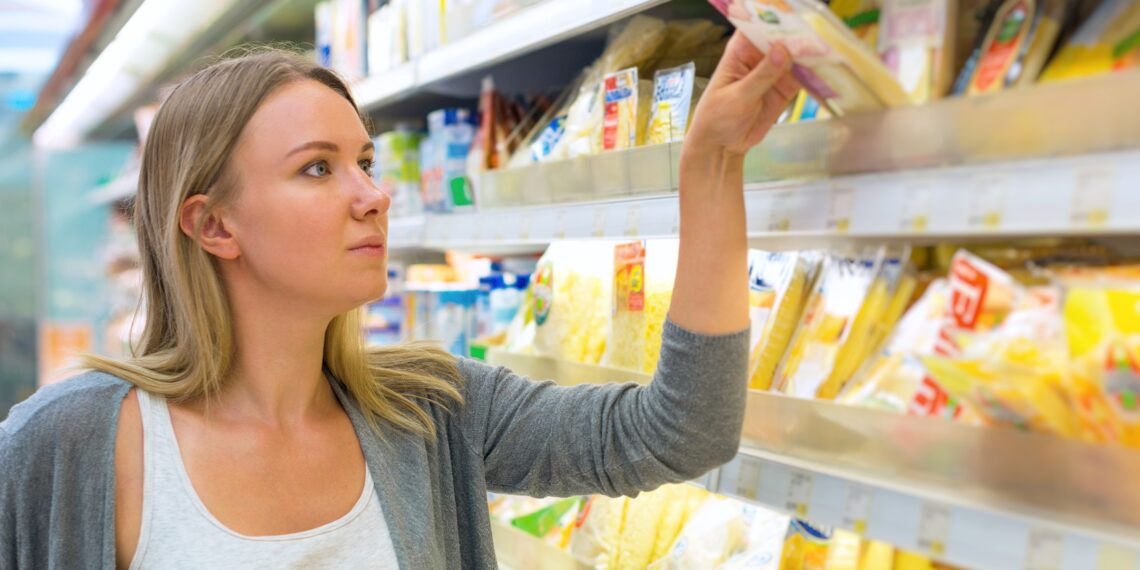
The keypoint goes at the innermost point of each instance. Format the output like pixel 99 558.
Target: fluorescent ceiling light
pixel 157 30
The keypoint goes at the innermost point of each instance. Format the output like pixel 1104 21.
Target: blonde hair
pixel 187 345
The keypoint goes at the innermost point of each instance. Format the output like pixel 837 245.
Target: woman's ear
pixel 216 237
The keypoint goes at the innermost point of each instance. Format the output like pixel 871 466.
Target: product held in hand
pixel 828 58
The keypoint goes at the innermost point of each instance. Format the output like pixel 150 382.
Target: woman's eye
pixel 367 166
pixel 317 169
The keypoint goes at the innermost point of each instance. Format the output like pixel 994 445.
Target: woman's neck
pixel 277 378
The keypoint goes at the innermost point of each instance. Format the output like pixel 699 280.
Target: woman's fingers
pixel 765 75
pixel 788 85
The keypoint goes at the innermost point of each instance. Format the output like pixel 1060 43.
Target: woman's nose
pixel 369 200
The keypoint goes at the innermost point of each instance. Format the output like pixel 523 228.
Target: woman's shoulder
pixel 72 412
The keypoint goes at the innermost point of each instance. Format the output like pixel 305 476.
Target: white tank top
pixel 177 531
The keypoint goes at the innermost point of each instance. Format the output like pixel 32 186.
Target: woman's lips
pixel 369 250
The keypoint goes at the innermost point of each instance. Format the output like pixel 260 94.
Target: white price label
pixel 840 204
pixel 477 234
pixel 857 509
pixel 1114 556
pixel 560 224
pixel 1092 196
pixel 632 219
pixel 934 528
pixel 524 226
pixel 799 493
pixel 748 481
pixel 988 203
pixel 599 222
pixel 1044 550
pixel 780 215
pixel 676 231
pixel 916 207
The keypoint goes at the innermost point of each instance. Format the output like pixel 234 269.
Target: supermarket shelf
pixel 980 498
pixel 517 550
pixel 532 28
pixel 568 373
pixel 1087 195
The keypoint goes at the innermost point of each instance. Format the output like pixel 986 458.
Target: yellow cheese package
pixel 630 533
pixel 571 295
pixel 1017 38
pixel 890 380
pixel 837 306
pixel 619 109
pixel 916 42
pixel 1108 41
pixel 862 16
pixel 777 289
pixel 1016 374
pixel 838 69
pixel 728 535
pixel 643 274
pixel 880 310
pixel 805 547
pixel 672 98
pixel 1102 324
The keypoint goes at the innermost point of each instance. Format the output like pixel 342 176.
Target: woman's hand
pixel 744 98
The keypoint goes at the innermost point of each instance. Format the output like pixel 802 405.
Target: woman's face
pixel 310 224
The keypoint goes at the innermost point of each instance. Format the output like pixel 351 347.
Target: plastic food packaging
pixel 1102 323
pixel 805 547
pixel 829 60
pixel 778 286
pixel 1018 37
pixel 642 290
pixel 398 170
pixel 890 380
pixel 571 291
pixel 727 534
pixel 1108 41
pixel 829 315
pixel 979 297
pixel 623 533
pixel 619 120
pixel 916 42
pixel 672 98
pixel 1015 375
pixel 862 16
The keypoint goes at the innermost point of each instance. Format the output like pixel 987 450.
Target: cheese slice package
pixel 831 62
pixel 728 535
pixel 916 42
pixel 1108 41
pixel 672 97
pixel 778 285
pixel 830 314
pixel 619 110
pixel 643 274
pixel 1012 47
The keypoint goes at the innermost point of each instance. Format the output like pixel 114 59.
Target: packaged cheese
pixel 729 535
pixel 672 98
pixel 1013 47
pixel 642 290
pixel 571 293
pixel 778 285
pixel 916 42
pixel 1108 41
pixel 805 547
pixel 831 311
pixel 1102 324
pixel 829 60
pixel 619 119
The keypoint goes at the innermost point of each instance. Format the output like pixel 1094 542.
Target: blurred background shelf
pixel 976 497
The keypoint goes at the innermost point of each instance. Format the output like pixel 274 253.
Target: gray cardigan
pixel 57 452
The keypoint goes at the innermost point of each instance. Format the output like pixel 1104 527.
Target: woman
pixel 253 429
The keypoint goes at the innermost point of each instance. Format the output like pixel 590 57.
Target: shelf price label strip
pixel 955 534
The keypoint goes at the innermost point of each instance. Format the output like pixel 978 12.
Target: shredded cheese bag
pixel 571 296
